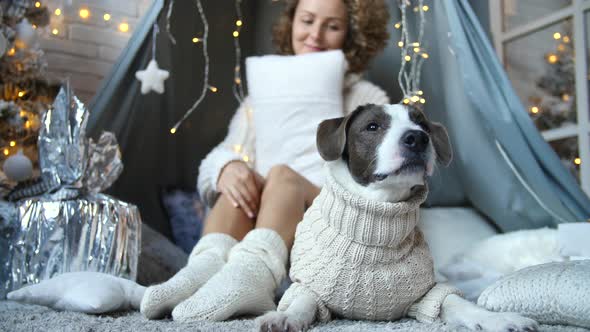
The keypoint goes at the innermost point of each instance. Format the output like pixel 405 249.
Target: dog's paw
pixel 276 321
pixel 500 322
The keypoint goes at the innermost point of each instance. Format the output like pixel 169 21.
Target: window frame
pixel 576 11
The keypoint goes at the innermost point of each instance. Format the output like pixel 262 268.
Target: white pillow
pixel 290 96
pixel 449 231
pixel 479 265
pixel 89 292
pixel 552 293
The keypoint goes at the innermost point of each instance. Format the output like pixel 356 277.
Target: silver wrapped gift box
pixel 93 233
pixel 61 222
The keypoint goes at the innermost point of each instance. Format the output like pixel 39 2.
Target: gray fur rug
pixel 24 318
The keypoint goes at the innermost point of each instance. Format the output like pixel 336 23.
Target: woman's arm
pixel 237 145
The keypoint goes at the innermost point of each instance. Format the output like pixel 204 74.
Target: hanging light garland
pixel 206 85
pixel 238 86
pixel 413 53
pixel 121 24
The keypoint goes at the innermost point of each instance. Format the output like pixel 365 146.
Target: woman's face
pixel 319 25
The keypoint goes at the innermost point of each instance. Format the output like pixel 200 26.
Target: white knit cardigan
pixel 240 140
pixel 363 259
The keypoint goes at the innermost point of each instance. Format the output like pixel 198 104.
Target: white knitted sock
pixel 245 285
pixel 206 259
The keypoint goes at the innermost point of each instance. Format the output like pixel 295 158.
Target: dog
pixel 378 158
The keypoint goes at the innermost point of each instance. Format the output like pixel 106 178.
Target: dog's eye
pixel 372 126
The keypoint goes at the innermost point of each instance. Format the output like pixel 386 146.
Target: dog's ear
pixel 331 138
pixel 442 143
pixel 331 135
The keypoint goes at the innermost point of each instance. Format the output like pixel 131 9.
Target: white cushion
pixel 486 261
pixel 89 292
pixel 290 96
pixel 449 231
pixel 552 293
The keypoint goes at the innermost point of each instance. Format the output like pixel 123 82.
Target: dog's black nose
pixel 415 140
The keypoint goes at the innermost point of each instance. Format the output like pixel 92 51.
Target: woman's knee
pixel 282 174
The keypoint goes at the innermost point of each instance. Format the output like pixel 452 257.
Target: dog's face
pixel 385 147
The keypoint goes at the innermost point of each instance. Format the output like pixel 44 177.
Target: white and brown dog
pixel 358 253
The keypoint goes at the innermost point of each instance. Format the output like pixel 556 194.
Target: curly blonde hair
pixel 367 31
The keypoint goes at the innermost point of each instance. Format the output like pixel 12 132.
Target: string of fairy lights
pixel 85 13
pixel 413 53
pixel 237 87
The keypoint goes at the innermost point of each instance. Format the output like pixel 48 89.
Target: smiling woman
pixel 259 201
pixel 363 28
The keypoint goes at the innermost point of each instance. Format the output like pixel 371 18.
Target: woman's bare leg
pixel 227 219
pixel 285 197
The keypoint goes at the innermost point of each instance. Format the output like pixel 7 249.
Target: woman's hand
pixel 242 186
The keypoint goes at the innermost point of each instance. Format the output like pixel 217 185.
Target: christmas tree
pixel 25 92
pixel 556 107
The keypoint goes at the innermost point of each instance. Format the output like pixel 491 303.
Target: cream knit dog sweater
pixel 363 259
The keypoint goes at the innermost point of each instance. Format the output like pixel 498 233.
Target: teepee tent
pixel 502 165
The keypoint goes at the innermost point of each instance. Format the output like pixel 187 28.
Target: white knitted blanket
pixel 364 259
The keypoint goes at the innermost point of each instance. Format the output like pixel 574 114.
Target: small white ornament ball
pixel 3 44
pixel 18 167
pixel 25 32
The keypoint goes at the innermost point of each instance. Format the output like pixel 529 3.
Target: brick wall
pixel 85 49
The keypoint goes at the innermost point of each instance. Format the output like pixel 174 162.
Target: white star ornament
pixel 152 78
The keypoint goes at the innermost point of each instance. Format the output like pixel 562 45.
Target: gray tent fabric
pixel 155 160
pixel 502 165
pixel 507 169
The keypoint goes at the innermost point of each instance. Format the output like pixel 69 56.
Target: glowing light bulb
pixel 415 99
pixel 416 44
pixel 552 58
pixel 422 100
pixel 28 124
pixel 237 148
pixel 397 25
pixel 12 143
pixel 556 35
pixel 400 44
pixel 84 13
pixel 565 97
pixel 425 55
pixel 196 40
pixel 21 94
pixel 12 51
pixel 57 12
pixel 420 92
pixel 406 101
pixel 239 23
pixel 6 152
pixel 246 159
pixel 534 110
pixel 578 161
pixel 55 31
pixel 173 131
pixel 416 49
pixel 407 58
pixel 238 81
pixel 236 34
pixel 37 4
pixel 425 8
pixel 123 27
pixel 566 39
pixel 106 17
pixel 213 89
